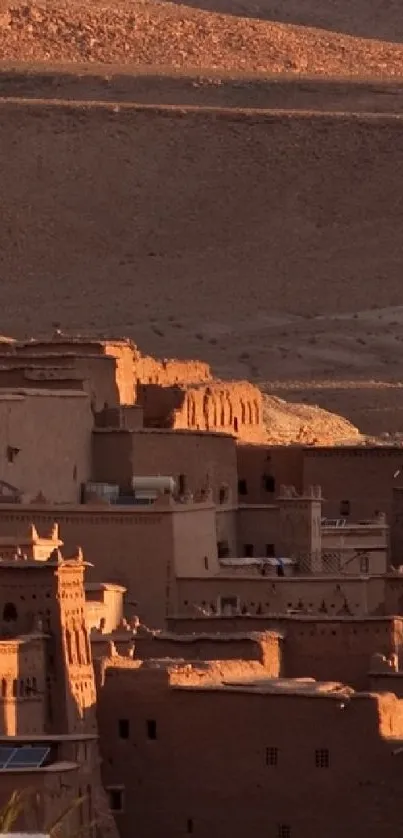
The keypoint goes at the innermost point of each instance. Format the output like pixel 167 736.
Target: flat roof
pixel 285 580
pixel 29 541
pixel 46 737
pixel 15 392
pixel 20 639
pixel 305 618
pixel 243 507
pixel 276 686
pixel 60 339
pixel 216 637
pixel 338 448
pixel 104 586
pixel 102 509
pixel 25 360
pixel 163 431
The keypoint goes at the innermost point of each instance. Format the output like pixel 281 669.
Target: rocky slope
pixel 306 424
pixel 168 35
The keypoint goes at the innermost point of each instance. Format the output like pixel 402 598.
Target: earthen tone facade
pixel 223 651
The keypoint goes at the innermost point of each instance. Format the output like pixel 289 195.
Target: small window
pixel 115 799
pixel 364 564
pixel 182 484
pixel 124 728
pixel 151 728
pixel 270 551
pixel 271 756
pixel 248 551
pixel 242 487
pixel 269 483
pixel 189 826
pixel 11 453
pixel 322 758
pixel 9 613
pixel 206 562
pixel 228 604
pixel 222 549
pixel 345 508
pixel 283 830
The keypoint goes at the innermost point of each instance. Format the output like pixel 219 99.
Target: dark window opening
pixel 236 424
pixel 270 551
pixel 182 484
pixel 12 453
pixel 206 563
pixel 345 508
pixel 269 483
pixel 364 564
pixel 189 825
pixel 229 603
pixel 9 612
pixel 284 830
pixel 248 551
pixel 271 756
pixel 242 487
pixel 322 758
pixel 115 800
pixel 151 729
pixel 222 549
pixel 124 728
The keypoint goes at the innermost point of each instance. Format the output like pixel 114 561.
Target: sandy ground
pixel 162 183
pixel 267 242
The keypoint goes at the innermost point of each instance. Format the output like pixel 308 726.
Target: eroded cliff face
pixel 176 394
pixel 233 407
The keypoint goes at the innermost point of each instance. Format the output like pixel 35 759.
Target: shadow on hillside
pixel 360 19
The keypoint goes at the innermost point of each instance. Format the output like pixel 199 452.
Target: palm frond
pixel 11 811
pixel 54 827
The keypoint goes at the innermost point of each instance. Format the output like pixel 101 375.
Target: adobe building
pixel 232 407
pixel 175 555
pixel 171 393
pixel 48 729
pixel 142 548
pixel 357 481
pixel 323 647
pixel 198 461
pixel 38 451
pixel 173 765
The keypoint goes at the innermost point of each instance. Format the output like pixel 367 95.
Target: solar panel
pixel 334 522
pixel 28 757
pixel 5 754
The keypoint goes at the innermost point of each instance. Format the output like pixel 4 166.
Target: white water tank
pixel 153 485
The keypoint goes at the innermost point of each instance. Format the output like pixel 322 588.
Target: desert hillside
pixel 124 218
pixel 176 179
pixel 246 38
